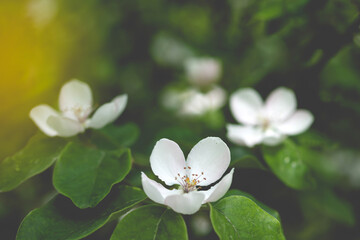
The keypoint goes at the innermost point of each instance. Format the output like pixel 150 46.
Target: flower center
pixel 265 124
pixel 189 182
pixel 79 113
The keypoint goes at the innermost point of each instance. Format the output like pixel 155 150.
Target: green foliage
pixel 139 47
pixel 238 217
pixel 113 137
pixel 286 161
pixel 327 203
pixel 243 158
pixel 59 219
pixel 151 222
pixel 236 192
pixel 86 175
pixel 38 155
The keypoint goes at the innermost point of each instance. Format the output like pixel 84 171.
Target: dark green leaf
pixel 38 155
pixel 286 162
pixel 113 137
pixel 149 223
pixel 324 200
pixel 238 217
pixel 242 158
pixel 59 219
pixel 236 192
pixel 86 175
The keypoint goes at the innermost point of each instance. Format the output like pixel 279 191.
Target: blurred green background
pixel 138 47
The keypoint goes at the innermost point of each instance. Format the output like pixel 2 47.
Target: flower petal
pixel 202 71
pixel 194 103
pixel 154 190
pixel 185 203
pixel 108 112
pixel 244 135
pixel 245 105
pixel 167 161
pixel 216 98
pixel 40 114
pixel 273 137
pixel 75 94
pixel 280 104
pixel 297 123
pixel 210 156
pixel 65 127
pixel 218 190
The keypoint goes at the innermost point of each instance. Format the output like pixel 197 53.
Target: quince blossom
pixel 268 122
pixel 206 163
pixel 196 103
pixel 203 71
pixel 75 103
pixel 192 102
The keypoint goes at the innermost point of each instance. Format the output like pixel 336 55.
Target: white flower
pixel 268 122
pixel 196 103
pixel 75 103
pixel 206 163
pixel 202 71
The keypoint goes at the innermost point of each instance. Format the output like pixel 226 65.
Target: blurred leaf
pixel 342 72
pixel 38 155
pixel 141 159
pixel 236 192
pixel 238 217
pixel 214 119
pixel 151 222
pixel 321 165
pixel 317 151
pixel 326 202
pixel 269 9
pixel 86 175
pixel 339 14
pixel 59 219
pixel 243 158
pixel 113 137
pixel 192 21
pixel 286 161
pixel 185 137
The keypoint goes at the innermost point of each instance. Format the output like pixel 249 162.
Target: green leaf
pixel 238 217
pixel 242 158
pixel 324 200
pixel 269 10
pixel 151 222
pixel 86 175
pixel 286 162
pixel 113 137
pixel 236 192
pixel 38 155
pixel 59 219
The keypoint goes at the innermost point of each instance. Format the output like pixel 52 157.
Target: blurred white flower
pixel 192 102
pixel 202 71
pixel 268 122
pixel 42 11
pixel 206 163
pixel 196 103
pixel 75 103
